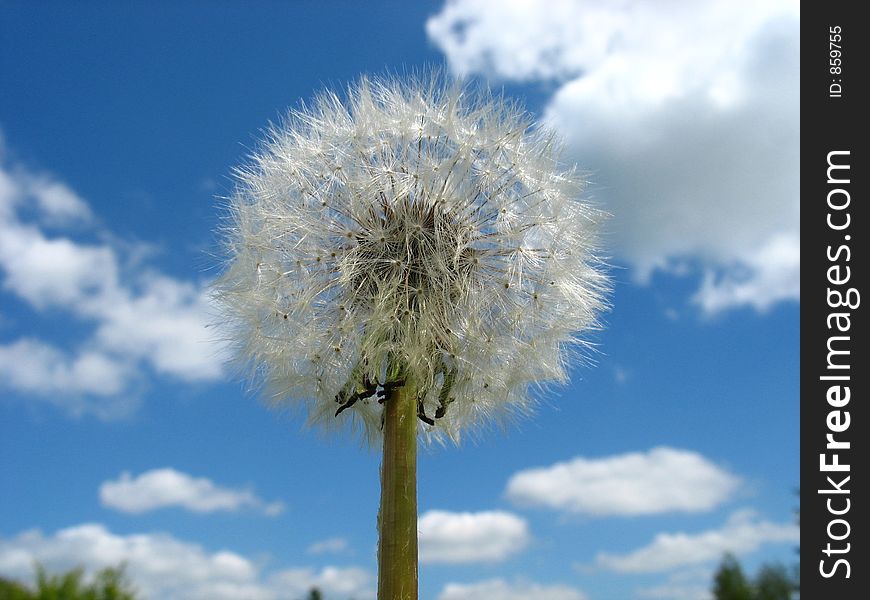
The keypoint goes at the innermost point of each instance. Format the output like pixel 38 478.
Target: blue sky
pixel 124 437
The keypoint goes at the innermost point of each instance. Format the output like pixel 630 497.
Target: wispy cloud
pixel 695 153
pixel 335 545
pixel 744 532
pixel 466 537
pixel 661 480
pixel 162 566
pixel 499 589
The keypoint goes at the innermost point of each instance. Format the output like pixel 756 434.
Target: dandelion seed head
pixel 418 228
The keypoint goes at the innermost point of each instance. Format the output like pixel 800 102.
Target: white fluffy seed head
pixel 418 230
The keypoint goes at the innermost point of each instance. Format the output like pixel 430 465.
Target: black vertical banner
pixel 834 370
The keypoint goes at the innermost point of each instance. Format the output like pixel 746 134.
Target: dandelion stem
pixel 397 519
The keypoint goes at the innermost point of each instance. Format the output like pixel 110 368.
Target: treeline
pixel 108 584
pixel 772 582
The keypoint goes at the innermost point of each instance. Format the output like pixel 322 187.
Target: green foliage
pixel 315 594
pixel 10 590
pixel 730 583
pixel 772 582
pixel 108 584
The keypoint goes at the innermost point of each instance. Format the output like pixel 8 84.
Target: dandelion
pixel 411 260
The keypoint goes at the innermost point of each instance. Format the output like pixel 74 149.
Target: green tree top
pixel 730 583
pixel 108 584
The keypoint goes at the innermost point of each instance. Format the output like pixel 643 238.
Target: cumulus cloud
pixel 165 567
pixel 661 480
pixel 55 258
pixel 164 325
pixel 763 278
pixel 685 115
pixel 162 488
pixel 489 536
pixel 744 532
pixel 52 272
pixel 333 582
pixel 499 589
pixel 89 381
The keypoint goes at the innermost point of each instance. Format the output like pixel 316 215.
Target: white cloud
pixel 165 325
pixel 87 382
pixel 661 480
pixel 163 567
pixel 338 582
pixel 161 488
pixel 685 115
pixel 56 203
pixel 760 280
pixel 744 532
pixel 138 316
pixel 518 40
pixel 57 272
pixel 498 589
pixel 489 536
pixel 334 545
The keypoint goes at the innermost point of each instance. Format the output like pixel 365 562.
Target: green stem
pixel 397 519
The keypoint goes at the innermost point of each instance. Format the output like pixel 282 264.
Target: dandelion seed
pixel 427 196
